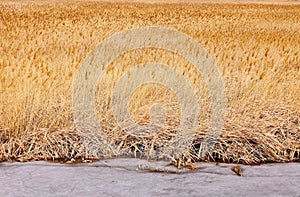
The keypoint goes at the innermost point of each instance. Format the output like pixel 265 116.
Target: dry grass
pixel 256 48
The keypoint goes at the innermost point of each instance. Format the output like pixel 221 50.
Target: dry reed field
pixel 255 46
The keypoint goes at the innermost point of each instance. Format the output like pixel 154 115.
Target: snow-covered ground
pixel 134 177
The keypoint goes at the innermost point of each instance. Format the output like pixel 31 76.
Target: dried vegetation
pixel 256 48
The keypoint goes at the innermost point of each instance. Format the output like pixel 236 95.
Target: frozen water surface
pixel 135 177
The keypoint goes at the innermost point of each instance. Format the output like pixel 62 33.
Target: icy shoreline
pixel 134 177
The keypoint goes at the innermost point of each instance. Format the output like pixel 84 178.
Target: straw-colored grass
pixel 256 48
